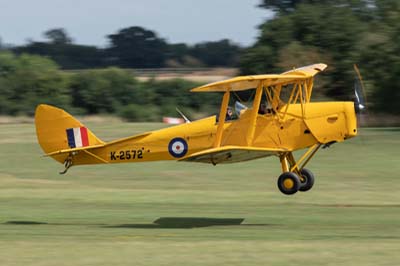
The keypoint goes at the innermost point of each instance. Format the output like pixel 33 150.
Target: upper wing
pixel 250 82
pixel 231 154
pixel 309 71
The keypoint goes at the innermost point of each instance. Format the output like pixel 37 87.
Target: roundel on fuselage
pixel 178 147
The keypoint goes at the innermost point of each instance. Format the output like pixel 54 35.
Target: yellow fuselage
pixel 299 128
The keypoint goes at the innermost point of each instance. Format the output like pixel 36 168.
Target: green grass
pixel 104 215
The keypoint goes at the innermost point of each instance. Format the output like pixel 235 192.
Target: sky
pixel 89 21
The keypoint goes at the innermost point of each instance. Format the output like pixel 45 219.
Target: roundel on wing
pixel 178 147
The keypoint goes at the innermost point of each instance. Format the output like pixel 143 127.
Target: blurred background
pixel 139 60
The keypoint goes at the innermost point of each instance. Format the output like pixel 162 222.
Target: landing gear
pixel 289 183
pixel 295 177
pixel 307 180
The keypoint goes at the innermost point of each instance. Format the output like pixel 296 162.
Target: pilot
pixel 229 114
pixel 263 109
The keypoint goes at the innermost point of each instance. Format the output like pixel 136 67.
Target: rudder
pixel 58 130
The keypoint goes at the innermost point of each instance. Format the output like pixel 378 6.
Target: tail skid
pixel 68 162
pixel 67 165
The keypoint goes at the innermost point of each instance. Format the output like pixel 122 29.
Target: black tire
pixel 309 179
pixel 288 183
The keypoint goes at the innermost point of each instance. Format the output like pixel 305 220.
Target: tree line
pixel 28 80
pixel 133 47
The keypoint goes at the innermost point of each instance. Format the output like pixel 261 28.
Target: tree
pixel 103 91
pixel 136 47
pixel 379 57
pixel 27 80
pixel 339 33
pixel 176 54
pixel 66 54
pixel 219 53
pixel 58 36
pixel 283 7
pixel 280 6
pixel 313 30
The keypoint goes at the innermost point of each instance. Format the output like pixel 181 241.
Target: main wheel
pixel 309 179
pixel 288 183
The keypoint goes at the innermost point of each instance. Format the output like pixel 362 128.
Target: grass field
pixel 104 215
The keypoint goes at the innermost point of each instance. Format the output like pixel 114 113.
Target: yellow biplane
pixel 281 120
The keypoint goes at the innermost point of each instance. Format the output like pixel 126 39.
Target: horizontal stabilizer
pixel 73 150
pixel 75 155
pixel 231 154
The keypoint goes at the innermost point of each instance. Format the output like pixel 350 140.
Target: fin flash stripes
pixel 77 137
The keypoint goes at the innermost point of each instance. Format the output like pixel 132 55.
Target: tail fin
pixel 57 130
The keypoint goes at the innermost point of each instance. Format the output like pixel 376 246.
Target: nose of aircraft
pixel 351 119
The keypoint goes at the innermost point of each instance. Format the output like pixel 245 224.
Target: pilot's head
pixel 229 111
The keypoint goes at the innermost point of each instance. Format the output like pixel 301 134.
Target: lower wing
pixel 231 154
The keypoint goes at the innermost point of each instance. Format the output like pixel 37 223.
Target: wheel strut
pixel 293 171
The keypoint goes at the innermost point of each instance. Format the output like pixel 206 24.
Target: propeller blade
pixel 359 91
pixel 360 103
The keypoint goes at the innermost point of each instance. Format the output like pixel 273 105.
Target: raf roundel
pixel 178 147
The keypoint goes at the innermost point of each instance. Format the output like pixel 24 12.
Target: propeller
pixel 359 91
pixel 360 103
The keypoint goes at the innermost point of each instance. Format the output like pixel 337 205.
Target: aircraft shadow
pixel 184 222
pixel 25 223
pixel 46 223
pixel 162 222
